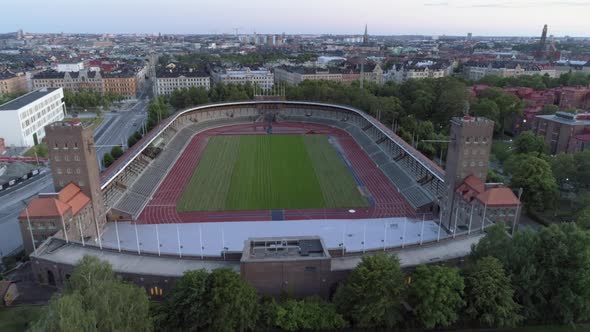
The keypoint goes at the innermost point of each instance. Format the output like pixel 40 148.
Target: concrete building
pixel 171 79
pixel 72 154
pixel 299 266
pixel 23 119
pixel 11 83
pixel 564 132
pixel 262 77
pixel 69 212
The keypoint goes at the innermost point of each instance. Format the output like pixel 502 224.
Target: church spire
pixel 366 36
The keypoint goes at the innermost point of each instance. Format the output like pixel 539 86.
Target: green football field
pixel 264 172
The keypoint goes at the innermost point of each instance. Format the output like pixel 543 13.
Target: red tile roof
pixel 69 198
pixel 500 196
pixel 45 207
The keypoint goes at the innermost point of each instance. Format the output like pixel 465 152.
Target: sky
pixel 383 17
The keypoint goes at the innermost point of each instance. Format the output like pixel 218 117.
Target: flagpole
pixel 364 236
pixel 404 234
pixel 158 239
pixel 384 235
pixel 30 229
pixel 223 242
pixel 483 221
pixel 470 219
pixel 81 234
pixel 422 231
pixel 456 217
pixel 178 238
pixel 201 240
pixel 439 227
pixel 117 232
pixel 137 238
pixel 343 239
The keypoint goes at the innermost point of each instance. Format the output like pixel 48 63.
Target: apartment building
pixel 170 79
pixel 11 83
pixel 564 132
pixel 262 77
pixel 477 70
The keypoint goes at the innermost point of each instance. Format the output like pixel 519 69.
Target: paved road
pixel 117 127
pixel 11 204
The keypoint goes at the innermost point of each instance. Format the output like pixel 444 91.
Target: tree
pixel 535 177
pixel 436 293
pixel 452 96
pixel 107 160
pixel 96 300
pixel 231 303
pixel 373 292
pixel 490 295
pixel 65 313
pixel 563 253
pixel 116 152
pixel 185 307
pixel 582 165
pixel 528 142
pixel 308 314
pixel 131 141
pixel 488 108
pixel 563 168
pixel 583 220
pixel 495 243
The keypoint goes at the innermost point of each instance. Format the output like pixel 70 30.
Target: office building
pixel 261 77
pixel 23 120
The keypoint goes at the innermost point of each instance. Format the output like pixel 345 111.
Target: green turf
pixel 262 172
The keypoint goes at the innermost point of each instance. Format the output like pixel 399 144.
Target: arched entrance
pixel 50 278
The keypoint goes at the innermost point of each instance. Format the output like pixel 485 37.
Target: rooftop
pixel 284 248
pixel 24 100
pixel 568 118
pixel 56 205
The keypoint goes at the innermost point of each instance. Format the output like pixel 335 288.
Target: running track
pixel 388 202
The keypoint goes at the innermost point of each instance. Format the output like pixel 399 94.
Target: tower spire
pixel 366 36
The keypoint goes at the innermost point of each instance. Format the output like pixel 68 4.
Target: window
pixel 58 170
pixel 69 171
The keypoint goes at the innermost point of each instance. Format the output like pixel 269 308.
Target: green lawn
pixel 262 172
pixel 17 319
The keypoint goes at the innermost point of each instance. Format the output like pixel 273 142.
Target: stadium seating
pixel 403 173
pixel 139 192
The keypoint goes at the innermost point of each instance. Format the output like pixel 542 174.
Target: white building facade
pixel 23 120
pixel 264 78
pixel 168 82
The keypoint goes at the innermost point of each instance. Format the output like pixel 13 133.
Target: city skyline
pixel 431 17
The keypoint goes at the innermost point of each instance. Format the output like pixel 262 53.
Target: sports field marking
pixel 264 172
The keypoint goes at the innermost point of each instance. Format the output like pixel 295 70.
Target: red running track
pixel 388 202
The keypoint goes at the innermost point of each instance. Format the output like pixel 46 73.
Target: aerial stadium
pixel 290 194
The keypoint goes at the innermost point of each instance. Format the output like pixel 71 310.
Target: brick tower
pixel 73 158
pixel 468 154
